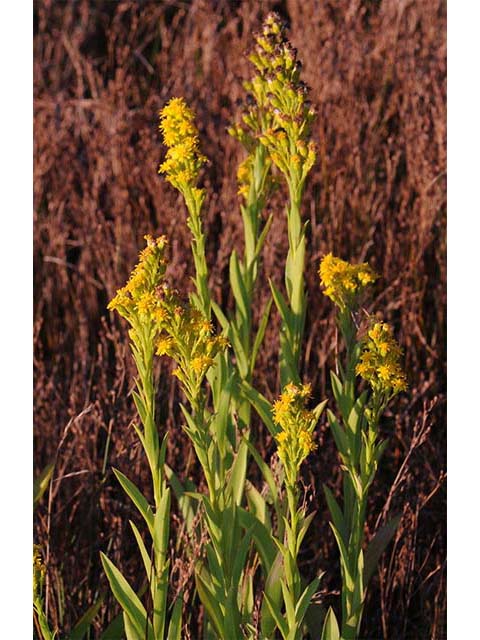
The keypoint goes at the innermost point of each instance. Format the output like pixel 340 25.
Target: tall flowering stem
pixel 139 304
pixel 187 337
pixel 278 90
pixel 375 358
pixel 181 167
pixel 294 436
pixel 254 185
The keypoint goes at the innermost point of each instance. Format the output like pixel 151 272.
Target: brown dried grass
pixel 102 70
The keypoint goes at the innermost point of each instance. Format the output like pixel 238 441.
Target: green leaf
pixel 221 317
pixel 288 602
pixel 143 550
pixel 115 630
pixel 304 601
pixel 318 410
pixel 260 334
pixel 80 629
pixel 338 435
pixel 330 626
pixel 175 626
pixel 210 603
pixel 341 397
pixel 137 498
pixel 184 502
pixel 268 477
pixel 346 571
pixel 274 592
pixel 282 306
pixel 277 616
pixel 264 542
pixel 263 235
pixel 161 530
pixel 128 599
pixel 336 513
pixel 377 546
pixel 238 286
pixel 261 405
pixel 236 481
pixel 257 505
pixel 40 484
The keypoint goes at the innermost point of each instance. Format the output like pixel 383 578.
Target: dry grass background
pixel 102 71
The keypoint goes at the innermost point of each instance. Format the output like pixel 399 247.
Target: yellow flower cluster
pixel 343 282
pixel 183 159
pixel 188 337
pixel 138 299
pixel 380 361
pixel 295 440
pixel 177 330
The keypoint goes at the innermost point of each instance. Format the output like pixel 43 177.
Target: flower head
pixel 278 112
pixel 379 361
pixel 183 159
pixel 344 282
pixel 294 439
pixel 138 298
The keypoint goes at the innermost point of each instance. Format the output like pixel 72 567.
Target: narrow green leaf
pixel 238 286
pixel 143 550
pixel 236 481
pixel 187 508
pixel 268 477
pixel 274 592
pixel 137 498
pixel 260 334
pixel 82 626
pixel 340 396
pixel 264 542
pixel 175 626
pixel 127 598
pixel 161 529
pixel 343 559
pixel 339 434
pixel 210 603
pixel 304 601
pixel 377 546
pixel 221 317
pixel 257 505
pixel 330 626
pixel 40 484
pixel 277 616
pixel 261 405
pixel 115 630
pixel 336 513
pixel 282 306
pixel 263 235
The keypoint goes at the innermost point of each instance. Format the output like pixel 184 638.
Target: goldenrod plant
pixel 279 91
pixel 247 577
pixel 376 359
pixel 217 444
pixel 139 304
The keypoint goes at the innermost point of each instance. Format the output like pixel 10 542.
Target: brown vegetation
pixel 102 71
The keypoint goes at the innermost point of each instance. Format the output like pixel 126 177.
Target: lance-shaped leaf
pixel 377 546
pixel 137 498
pixel 175 626
pixel 128 600
pixel 261 405
pixel 330 626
